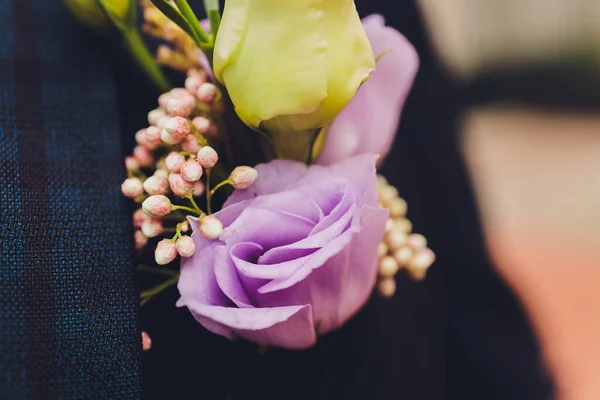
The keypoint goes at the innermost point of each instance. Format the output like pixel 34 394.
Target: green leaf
pixel 214 16
pixel 175 15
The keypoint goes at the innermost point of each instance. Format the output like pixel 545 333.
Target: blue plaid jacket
pixel 68 308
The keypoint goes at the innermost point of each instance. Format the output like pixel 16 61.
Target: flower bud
pixel 191 171
pixel 202 123
pixel 419 264
pixel 131 163
pixel 156 185
pixel 387 287
pixel 403 255
pixel 139 216
pixel 185 246
pixel 388 267
pixel 291 88
pixel 417 241
pixel 243 177
pixel 382 250
pixel 160 123
pixel 174 161
pixel 396 239
pixel 165 252
pixel 181 106
pixel 140 138
pixel 166 137
pixel 193 82
pixel 153 135
pixel 211 227
pixel 157 206
pixel 154 115
pixel 146 341
pixel 198 188
pixel 132 188
pixel 143 156
pixel 185 227
pixel 180 186
pixel 177 127
pixel 162 173
pixel 190 144
pixel 152 228
pixel 398 208
pixel 140 240
pixel 208 157
pixel 163 99
pixel 207 92
pixel 403 225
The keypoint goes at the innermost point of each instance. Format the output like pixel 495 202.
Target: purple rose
pixel 369 122
pixel 297 257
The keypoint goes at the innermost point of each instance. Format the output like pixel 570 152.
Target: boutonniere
pixel 257 181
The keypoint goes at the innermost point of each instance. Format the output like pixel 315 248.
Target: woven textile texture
pixel 68 307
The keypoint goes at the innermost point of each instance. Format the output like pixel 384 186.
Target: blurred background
pixel 529 137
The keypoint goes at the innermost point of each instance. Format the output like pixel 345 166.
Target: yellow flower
pixel 291 66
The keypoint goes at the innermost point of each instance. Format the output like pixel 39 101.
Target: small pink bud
pixel 163 99
pixel 174 161
pixel 157 205
pixel 143 156
pixel 178 127
pixel 193 82
pixel 163 173
pixel 417 242
pixel 185 227
pixel 132 188
pixel 154 115
pixel 387 287
pixel 178 92
pixel 243 177
pixel 140 240
pixel 153 135
pixel 185 246
pixel 191 171
pixel 131 163
pixel 181 106
pixel 211 227
pixel 146 341
pixel 140 138
pixel 202 123
pixel 180 186
pixel 208 157
pixel 165 252
pixel 166 137
pixel 207 92
pixel 198 188
pixel 152 228
pixel 190 144
pixel 139 216
pixel 156 185
pixel 160 124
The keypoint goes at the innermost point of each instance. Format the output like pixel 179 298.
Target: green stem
pixel 191 18
pixel 220 185
pixel 146 295
pixel 208 192
pixel 191 198
pixel 190 209
pixel 144 58
pixel 156 270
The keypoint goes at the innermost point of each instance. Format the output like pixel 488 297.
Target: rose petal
pixel 267 227
pixel 369 122
pixel 227 278
pixel 289 326
pixel 343 283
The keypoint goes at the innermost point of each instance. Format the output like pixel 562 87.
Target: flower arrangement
pixel 257 181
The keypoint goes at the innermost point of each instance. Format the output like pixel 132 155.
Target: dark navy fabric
pixel 68 304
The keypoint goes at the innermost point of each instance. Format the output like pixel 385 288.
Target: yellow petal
pixel 277 63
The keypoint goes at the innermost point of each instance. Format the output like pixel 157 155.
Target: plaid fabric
pixel 68 307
